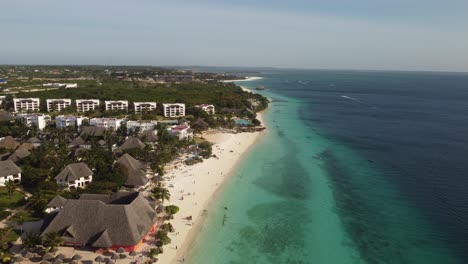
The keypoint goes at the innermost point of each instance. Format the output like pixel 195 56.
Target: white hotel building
pixel 142 125
pixel 26 104
pixel 85 105
pixel 106 122
pixel 174 110
pixel 63 121
pixel 57 105
pixel 117 105
pixel 210 109
pixel 39 120
pixel 144 106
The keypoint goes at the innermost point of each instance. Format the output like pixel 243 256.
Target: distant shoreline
pixel 248 79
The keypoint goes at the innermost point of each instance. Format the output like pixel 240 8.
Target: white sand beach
pixel 248 79
pixel 195 186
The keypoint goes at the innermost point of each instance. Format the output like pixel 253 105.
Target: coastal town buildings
pixel 64 121
pixel 57 105
pixel 181 131
pixel 9 172
pixel 61 85
pixel 23 105
pixel 85 105
pixel 121 105
pixel 38 120
pixel 141 125
pixel 210 109
pixel 122 219
pixel 141 107
pixel 106 123
pixel 174 110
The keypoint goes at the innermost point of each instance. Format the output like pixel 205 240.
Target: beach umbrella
pixel 45 262
pixel 18 259
pixel 122 256
pixel 120 250
pixel 28 255
pixel 99 259
pixel 57 261
pixel 133 254
pixel 77 257
pixel 60 256
pixel 110 262
pixel 73 262
pixel 115 257
pixel 47 256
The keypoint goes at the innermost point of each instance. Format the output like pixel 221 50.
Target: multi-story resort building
pixel 85 105
pixel 39 120
pixel 210 109
pixel 24 105
pixel 121 105
pixel 174 110
pixel 57 105
pixel 74 176
pixel 63 121
pixel 9 172
pixel 144 107
pixel 106 122
pixel 141 125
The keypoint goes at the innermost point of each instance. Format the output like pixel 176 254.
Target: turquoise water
pixel 355 167
pixel 280 208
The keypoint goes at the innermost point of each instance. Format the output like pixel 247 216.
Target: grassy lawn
pixel 10 202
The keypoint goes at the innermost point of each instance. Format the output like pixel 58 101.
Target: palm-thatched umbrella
pixel 18 259
pixel 57 261
pixel 115 257
pixel 28 255
pixel 73 262
pixel 122 256
pixel 44 262
pixel 60 256
pixel 47 256
pixel 133 254
pixel 120 250
pixel 110 262
pixel 99 259
pixel 77 257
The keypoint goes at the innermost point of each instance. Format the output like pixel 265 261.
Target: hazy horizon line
pixel 237 67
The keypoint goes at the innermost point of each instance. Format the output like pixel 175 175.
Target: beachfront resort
pixel 113 180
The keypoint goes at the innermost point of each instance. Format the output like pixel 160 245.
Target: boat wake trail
pixel 355 100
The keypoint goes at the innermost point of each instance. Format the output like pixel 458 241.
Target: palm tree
pixel 31 240
pixel 52 240
pixel 160 193
pixel 10 187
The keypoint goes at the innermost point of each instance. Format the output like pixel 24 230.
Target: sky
pixel 312 34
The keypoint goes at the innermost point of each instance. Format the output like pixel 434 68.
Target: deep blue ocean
pixel 358 167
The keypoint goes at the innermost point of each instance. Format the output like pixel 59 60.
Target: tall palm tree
pixel 52 240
